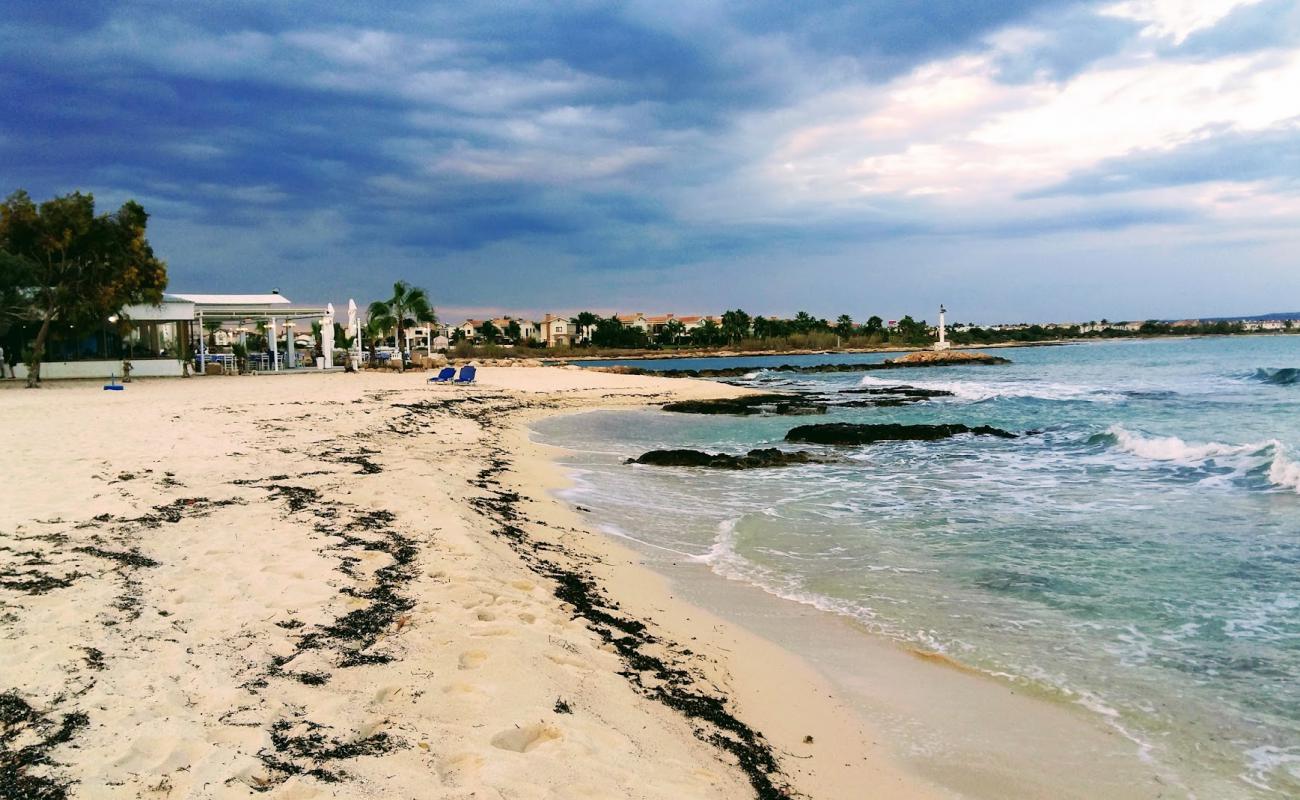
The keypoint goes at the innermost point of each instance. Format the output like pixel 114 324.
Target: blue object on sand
pixel 444 375
pixel 466 375
pixel 113 385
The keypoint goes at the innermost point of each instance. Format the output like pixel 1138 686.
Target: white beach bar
pixel 276 310
pixel 172 316
pixel 179 319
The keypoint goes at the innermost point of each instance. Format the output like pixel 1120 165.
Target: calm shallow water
pixel 1138 553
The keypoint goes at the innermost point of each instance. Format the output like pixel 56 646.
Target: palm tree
pixel 585 322
pixel 373 331
pixel 409 306
pixel 672 330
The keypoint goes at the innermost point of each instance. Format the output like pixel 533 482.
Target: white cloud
pixel 1174 19
pixel 950 129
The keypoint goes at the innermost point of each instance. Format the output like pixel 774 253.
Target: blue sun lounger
pixel 444 375
pixel 466 375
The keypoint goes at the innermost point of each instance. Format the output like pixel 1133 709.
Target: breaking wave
pixel 1282 376
pixel 1267 458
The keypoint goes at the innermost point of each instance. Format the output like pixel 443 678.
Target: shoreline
pixel 926 713
pixel 330 584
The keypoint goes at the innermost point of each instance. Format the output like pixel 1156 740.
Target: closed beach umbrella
pixel 275 344
pixel 327 335
pixel 354 330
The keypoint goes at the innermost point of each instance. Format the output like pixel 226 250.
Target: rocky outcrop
pixel 749 405
pixel 754 459
pixel 946 358
pixel 851 434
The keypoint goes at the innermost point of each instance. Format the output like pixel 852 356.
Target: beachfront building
pixel 152 338
pixel 157 340
pixel 558 331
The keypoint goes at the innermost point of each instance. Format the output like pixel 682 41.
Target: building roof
pixel 232 299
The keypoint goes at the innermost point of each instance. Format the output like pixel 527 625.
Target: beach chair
pixel 466 375
pixel 443 376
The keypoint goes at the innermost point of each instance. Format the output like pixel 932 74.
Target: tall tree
pixel 708 333
pixel 408 307
pixel 803 322
pixel 735 325
pixel 586 322
pixel 82 268
pixel 513 331
pixel 489 331
pixel 671 332
pixel 844 326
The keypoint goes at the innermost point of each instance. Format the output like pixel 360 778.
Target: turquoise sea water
pixel 1137 551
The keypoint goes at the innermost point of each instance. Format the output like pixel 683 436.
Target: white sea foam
pixel 1266 763
pixel 1282 472
pixel 979 391
pixel 1172 448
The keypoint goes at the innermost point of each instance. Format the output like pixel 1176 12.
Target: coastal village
pixel 191 333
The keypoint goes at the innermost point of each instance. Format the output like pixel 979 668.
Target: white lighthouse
pixel 942 344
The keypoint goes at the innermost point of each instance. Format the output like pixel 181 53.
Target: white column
pixel 203 347
pixel 288 344
pixel 275 347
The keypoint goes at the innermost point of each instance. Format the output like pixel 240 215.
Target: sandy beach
pixel 331 585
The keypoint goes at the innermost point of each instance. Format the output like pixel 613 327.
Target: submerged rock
pixel 754 459
pixel 848 433
pixel 748 405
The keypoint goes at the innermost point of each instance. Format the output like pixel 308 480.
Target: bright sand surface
pixel 338 585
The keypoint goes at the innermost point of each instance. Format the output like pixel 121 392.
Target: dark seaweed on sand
pixel 26 768
pixel 653 676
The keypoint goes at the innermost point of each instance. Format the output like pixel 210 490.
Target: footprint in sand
pixel 521 740
pixel 472 659
pixel 486 616
pixel 459 767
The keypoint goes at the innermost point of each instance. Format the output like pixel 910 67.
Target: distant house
pixel 469 328
pixel 637 320
pixel 558 331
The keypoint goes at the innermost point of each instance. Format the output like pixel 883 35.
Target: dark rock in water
pixel 902 391
pixel 750 404
pixel 847 433
pixel 754 459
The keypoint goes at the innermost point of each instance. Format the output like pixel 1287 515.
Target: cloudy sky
pixel 1014 159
